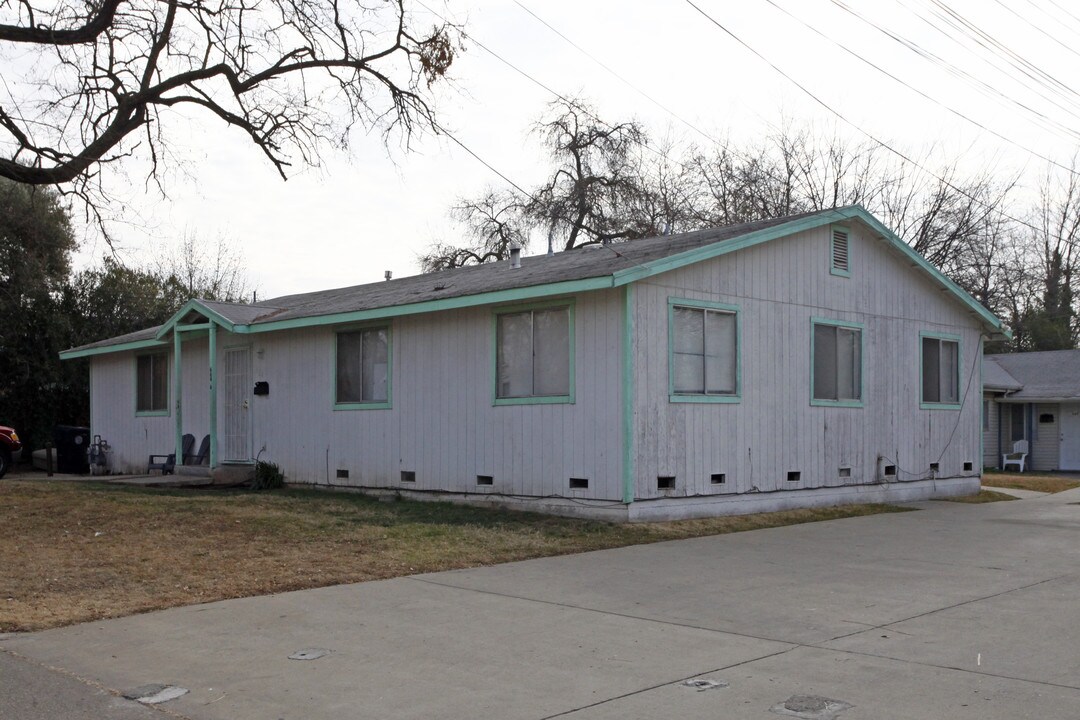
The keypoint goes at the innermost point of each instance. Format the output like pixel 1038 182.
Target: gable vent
pixel 840 250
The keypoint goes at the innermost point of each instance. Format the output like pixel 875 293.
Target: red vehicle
pixel 9 445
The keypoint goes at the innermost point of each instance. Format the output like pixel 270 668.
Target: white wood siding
pixel 1044 448
pixel 779 287
pixel 442 424
pixel 112 414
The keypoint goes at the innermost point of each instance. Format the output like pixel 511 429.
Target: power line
pixel 838 114
pixel 1037 28
pixel 937 102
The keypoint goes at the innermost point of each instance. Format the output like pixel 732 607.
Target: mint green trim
pixel 628 394
pixel 121 347
pixel 193 306
pixel 151 413
pixel 833 270
pixel 489 298
pixel 924 405
pixel 198 328
pixel 861 402
pixel 178 389
pixel 374 405
pixel 837 215
pixel 983 407
pixel 705 397
pixel 570 304
pixel 213 396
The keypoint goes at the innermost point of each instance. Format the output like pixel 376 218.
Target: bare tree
pixel 201 269
pixel 290 76
pixel 494 221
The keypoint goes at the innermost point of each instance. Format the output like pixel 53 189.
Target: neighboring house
pixel 1033 396
pixel 807 360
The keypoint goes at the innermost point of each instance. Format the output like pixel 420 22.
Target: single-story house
pixel 1033 396
pixel 808 360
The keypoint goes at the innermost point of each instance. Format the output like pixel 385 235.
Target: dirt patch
pixel 76 551
pixel 983 496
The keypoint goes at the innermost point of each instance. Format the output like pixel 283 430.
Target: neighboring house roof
pixel 588 268
pixel 1050 376
pixel 998 378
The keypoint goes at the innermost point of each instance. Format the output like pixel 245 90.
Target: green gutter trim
pixel 178 390
pixel 489 298
pixel 133 345
pixel 213 396
pixel 628 394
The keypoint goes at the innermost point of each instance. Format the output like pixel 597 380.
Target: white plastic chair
pixel 1017 457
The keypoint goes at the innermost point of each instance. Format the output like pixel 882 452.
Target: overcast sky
pixel 374 210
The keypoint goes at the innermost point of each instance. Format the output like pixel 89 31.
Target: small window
pixel 837 368
pixel 890 471
pixel 408 476
pixel 986 415
pixel 704 352
pixel 485 480
pixel 839 252
pixel 152 383
pixel 363 367
pixel 342 474
pixel 1046 418
pixel 718 478
pixel 940 371
pixel 579 483
pixel 665 482
pixel 533 354
pixel 794 476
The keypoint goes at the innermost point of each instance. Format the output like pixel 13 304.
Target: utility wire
pixel 937 102
pixel 858 129
pixel 1037 28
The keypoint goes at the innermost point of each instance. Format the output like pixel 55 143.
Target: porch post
pixel 177 391
pixel 213 395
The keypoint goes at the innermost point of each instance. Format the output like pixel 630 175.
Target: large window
pixel 940 371
pixel 837 364
pixel 704 358
pixel 152 384
pixel 363 368
pixel 533 351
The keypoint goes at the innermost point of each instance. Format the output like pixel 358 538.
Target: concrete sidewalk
pixel 954 611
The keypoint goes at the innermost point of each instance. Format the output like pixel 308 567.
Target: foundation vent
pixel 718 478
pixel 665 482
pixel 579 483
pixel 408 476
pixel 342 474
pixel 485 479
pixel 794 476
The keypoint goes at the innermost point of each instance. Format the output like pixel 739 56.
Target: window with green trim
pixel 837 363
pixel 533 353
pixel 940 371
pixel 152 383
pixel 704 351
pixel 363 366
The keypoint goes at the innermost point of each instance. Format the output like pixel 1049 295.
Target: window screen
pixel 152 383
pixel 704 359
pixel 533 353
pixel 363 367
pixel 940 371
pixel 837 363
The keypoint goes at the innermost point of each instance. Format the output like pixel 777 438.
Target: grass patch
pixel 74 552
pixel 983 496
pixel 1038 483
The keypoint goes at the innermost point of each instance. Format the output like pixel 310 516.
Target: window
pixel 533 351
pixel 986 415
pixel 940 371
pixel 363 368
pixel 839 253
pixel 152 384
pixel 704 353
pixel 837 365
pixel 1017 426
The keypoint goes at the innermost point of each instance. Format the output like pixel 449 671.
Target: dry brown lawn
pixel 1039 483
pixel 983 496
pixel 72 552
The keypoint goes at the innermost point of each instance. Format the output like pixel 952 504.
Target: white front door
pixel 1069 429
pixel 236 393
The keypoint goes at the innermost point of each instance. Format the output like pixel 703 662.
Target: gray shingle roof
pixel 996 377
pixel 1051 375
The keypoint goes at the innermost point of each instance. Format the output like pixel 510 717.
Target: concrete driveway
pixel 954 611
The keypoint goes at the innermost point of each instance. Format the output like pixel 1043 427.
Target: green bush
pixel 268 476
